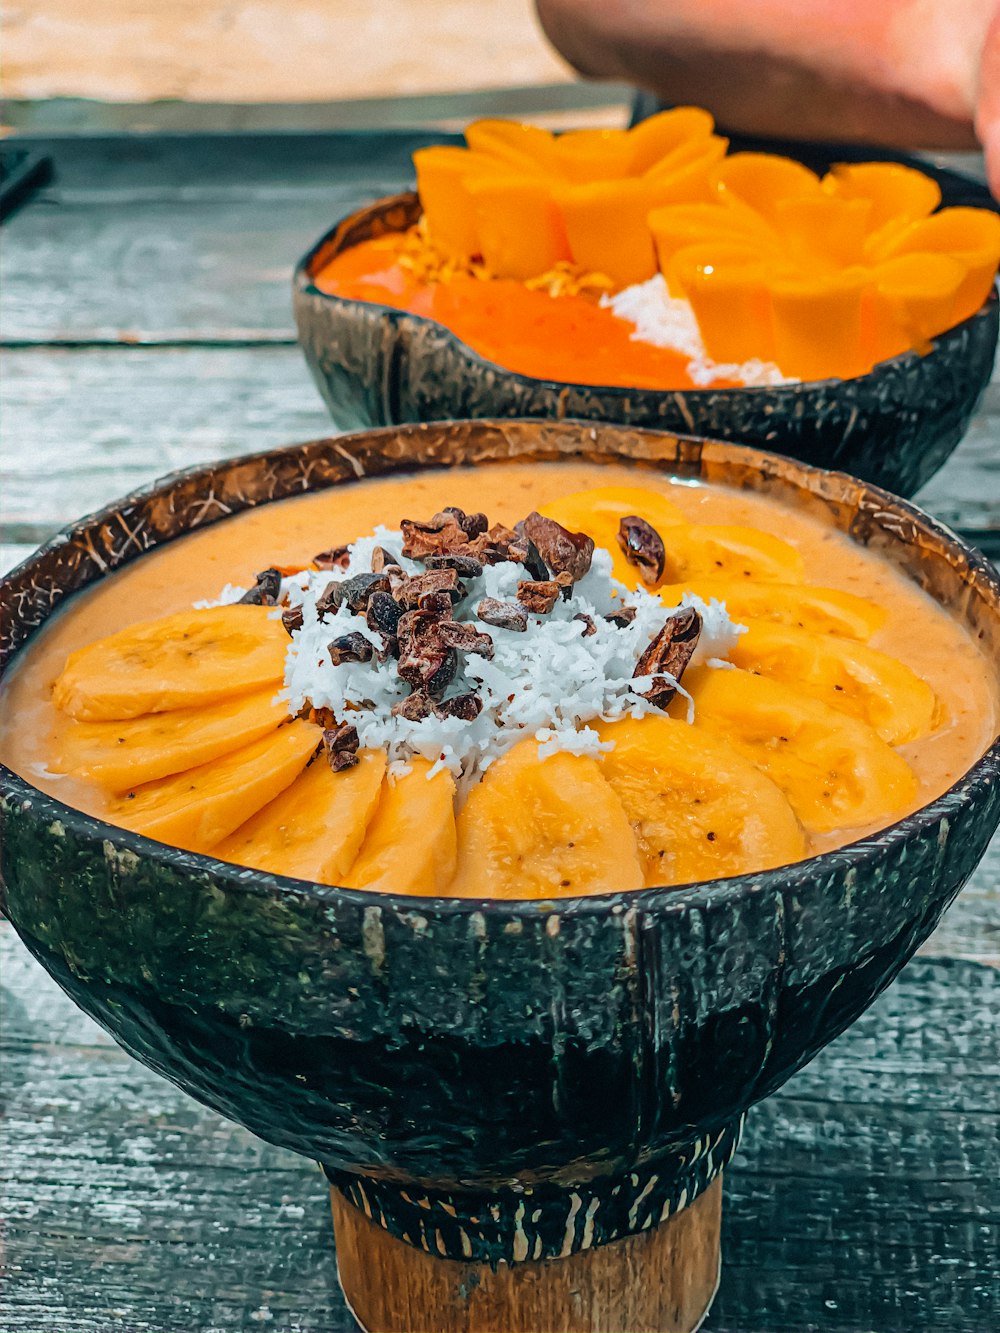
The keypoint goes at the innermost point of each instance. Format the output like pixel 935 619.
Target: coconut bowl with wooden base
pixel 523 1108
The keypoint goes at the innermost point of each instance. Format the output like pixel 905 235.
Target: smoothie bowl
pixel 513 959
pixel 842 312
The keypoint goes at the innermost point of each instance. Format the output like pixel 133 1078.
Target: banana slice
pixel 410 843
pixel 315 828
pixel 198 808
pixel 699 809
pixel 821 610
pixel 851 677
pixel 598 513
pixel 836 770
pixel 720 550
pixel 183 660
pixel 544 828
pixel 131 751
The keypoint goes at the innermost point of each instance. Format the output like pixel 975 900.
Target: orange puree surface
pixel 570 338
pixel 916 630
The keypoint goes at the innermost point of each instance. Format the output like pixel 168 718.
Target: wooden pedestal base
pixel 656 1281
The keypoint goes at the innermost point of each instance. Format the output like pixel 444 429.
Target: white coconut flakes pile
pixel 545 683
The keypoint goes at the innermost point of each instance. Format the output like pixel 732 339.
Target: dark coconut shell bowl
pixel 895 426
pixel 443 1057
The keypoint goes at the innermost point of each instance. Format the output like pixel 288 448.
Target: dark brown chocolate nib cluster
pixel 415 613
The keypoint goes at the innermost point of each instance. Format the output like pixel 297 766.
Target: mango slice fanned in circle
pixel 700 810
pixel 544 828
pixel 315 828
pixel 196 809
pixel 836 771
pixel 123 754
pixel 851 677
pixel 183 660
pixel 410 844
pixel 821 610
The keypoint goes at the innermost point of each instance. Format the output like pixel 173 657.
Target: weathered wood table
pixel 146 323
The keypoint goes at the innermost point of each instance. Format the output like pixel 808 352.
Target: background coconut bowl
pixel 474 1046
pixel 895 426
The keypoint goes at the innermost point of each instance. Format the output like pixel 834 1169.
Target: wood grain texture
pixel 658 1281
pixel 866 1194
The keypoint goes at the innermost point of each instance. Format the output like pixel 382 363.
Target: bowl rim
pixel 703 895
pixel 304 286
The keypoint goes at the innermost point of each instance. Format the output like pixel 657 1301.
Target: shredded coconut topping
pixel 546 682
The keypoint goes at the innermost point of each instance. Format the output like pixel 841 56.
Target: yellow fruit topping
pixel 410 844
pixel 821 610
pixel 135 750
pixel 836 770
pixel 198 808
pixel 544 828
pixel 184 660
pixel 849 676
pixel 699 809
pixel 729 551
pixel 314 829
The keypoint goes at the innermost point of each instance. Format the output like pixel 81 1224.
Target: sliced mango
pixel 823 231
pixel 849 676
pixel 817 324
pixel 761 180
pixel 589 155
pixel 970 235
pixel 123 754
pixel 544 829
pixel 836 771
pixel 821 610
pixel 913 298
pixel 410 844
pixel 677 226
pixel 892 190
pixel 198 808
pixel 720 550
pixel 520 230
pixel 657 138
pixel 441 173
pixel 699 809
pixel 607 231
pixel 527 147
pixel 315 828
pixel 183 660
pixel 726 284
pixel 685 176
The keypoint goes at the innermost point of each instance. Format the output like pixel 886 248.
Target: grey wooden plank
pixel 84 426
pixel 866 1194
pixel 182 237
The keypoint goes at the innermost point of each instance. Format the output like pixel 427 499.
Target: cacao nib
pixel 505 615
pixel 350 648
pixel 410 589
pixel 380 558
pixel 465 637
pixel 534 563
pixel 467 707
pixel 471 524
pixel 623 617
pixel 438 603
pixel 292 619
pixel 266 591
pixel 589 627
pixel 564 552
pixel 358 589
pixel 642 546
pixel 338 557
pixel 670 651
pixel 415 707
pixel 340 744
pixel 441 535
pixel 424 661
pixel 466 566
pixel 383 613
pixel 329 599
pixel 539 596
